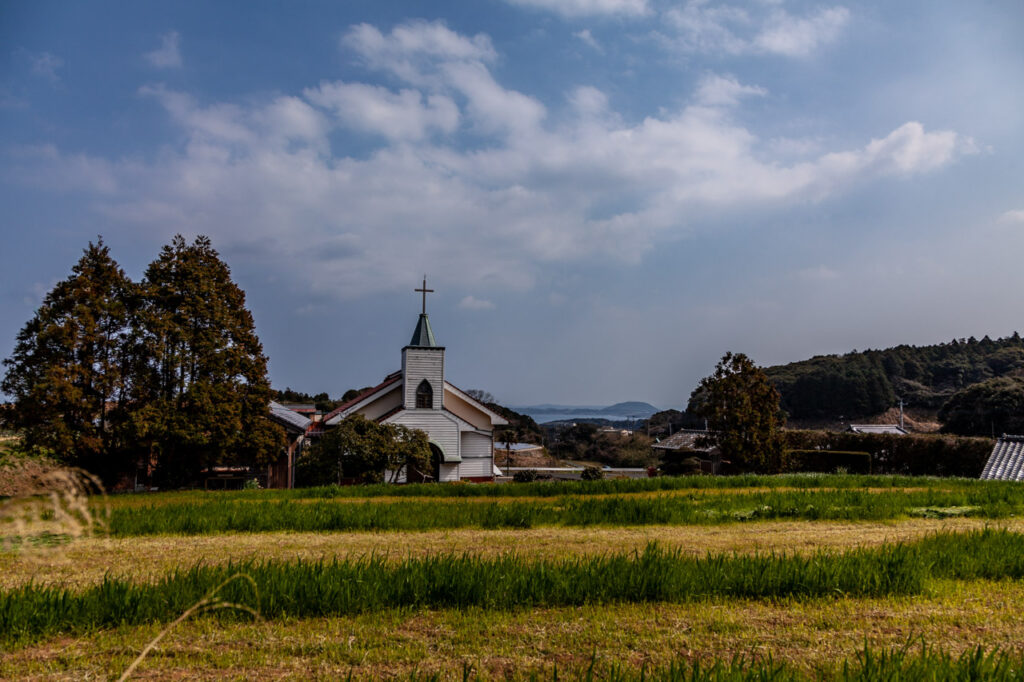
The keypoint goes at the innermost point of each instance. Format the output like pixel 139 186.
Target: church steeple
pixel 423 335
pixel 423 364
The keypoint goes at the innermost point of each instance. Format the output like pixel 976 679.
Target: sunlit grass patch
pixel 805 636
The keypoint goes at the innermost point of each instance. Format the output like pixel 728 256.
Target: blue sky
pixel 606 195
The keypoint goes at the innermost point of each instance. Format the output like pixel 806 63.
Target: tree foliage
pixel 988 408
pixel 363 450
pixel 321 401
pixel 589 442
pixel 742 410
pixel 204 386
pixel 109 373
pixel 70 373
pixel 862 383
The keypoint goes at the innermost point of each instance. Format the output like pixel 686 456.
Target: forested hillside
pixel 868 382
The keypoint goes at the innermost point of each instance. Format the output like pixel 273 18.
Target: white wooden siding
pixel 441 429
pixel 476 468
pixel 456 405
pixel 449 472
pixel 419 364
pixel 475 445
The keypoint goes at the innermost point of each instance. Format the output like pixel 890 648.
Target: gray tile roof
pixel 288 418
pixel 684 439
pixel 879 428
pixel 1006 463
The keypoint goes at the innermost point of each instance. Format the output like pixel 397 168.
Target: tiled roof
pixel 283 415
pixel 388 380
pixel 685 439
pixel 879 428
pixel 1006 463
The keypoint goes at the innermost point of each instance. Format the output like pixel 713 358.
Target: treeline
pixel 160 377
pixel 863 383
pixel 321 401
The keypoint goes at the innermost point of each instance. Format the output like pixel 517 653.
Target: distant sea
pixel 542 417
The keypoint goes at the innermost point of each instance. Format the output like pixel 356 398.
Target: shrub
pixel 526 476
pixel 831 461
pixel 592 474
pixel 912 455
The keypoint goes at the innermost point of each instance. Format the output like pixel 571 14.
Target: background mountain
pixel 869 382
pixel 633 409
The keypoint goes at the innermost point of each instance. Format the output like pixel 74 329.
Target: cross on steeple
pixel 424 291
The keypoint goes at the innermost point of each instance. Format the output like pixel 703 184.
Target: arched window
pixel 424 395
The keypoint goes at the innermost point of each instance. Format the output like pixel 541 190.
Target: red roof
pixel 388 380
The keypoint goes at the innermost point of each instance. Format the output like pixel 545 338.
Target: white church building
pixel 459 428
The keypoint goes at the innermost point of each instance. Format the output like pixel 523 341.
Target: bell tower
pixel 423 364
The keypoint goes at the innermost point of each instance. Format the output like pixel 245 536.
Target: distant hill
pixel 868 382
pixel 633 408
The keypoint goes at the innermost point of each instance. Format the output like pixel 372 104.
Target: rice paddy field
pixel 788 578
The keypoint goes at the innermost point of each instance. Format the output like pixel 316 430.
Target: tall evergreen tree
pixel 742 410
pixel 70 374
pixel 205 390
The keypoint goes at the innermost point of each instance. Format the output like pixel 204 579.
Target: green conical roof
pixel 423 336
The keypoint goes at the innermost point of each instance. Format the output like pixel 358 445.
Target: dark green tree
pixel 742 410
pixel 362 449
pixel 988 408
pixel 70 375
pixel 203 393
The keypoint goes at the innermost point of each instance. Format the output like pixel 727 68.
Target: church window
pixel 424 395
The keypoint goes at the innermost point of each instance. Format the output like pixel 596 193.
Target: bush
pixel 831 461
pixel 681 464
pixel 592 474
pixel 526 476
pixel 913 455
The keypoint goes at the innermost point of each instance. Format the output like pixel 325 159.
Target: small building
pixel 1006 463
pixel 683 445
pixel 281 473
pixel 887 429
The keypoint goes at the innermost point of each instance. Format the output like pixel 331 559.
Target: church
pixel 460 428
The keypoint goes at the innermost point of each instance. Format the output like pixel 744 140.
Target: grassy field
pixel 841 577
pixel 660 501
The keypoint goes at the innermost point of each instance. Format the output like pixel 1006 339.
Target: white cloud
pixel 168 55
pixel 715 90
pixel 588 38
pixel 800 36
pixel 406 114
pixel 262 176
pixel 413 46
pixel 700 26
pixel 580 8
pixel 1014 217
pixel 473 303
pixel 45 65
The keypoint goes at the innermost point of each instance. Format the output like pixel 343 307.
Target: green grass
pixel 315 589
pixel 602 487
pixel 212 514
pixel 887 665
pixel 305 589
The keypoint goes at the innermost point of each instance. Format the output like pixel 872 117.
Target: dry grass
pixel 144 558
pixel 955 617
pixel 51 507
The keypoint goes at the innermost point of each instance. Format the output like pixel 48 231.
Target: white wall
pixel 419 364
pixel 442 430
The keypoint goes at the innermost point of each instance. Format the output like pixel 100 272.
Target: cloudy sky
pixel 606 195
